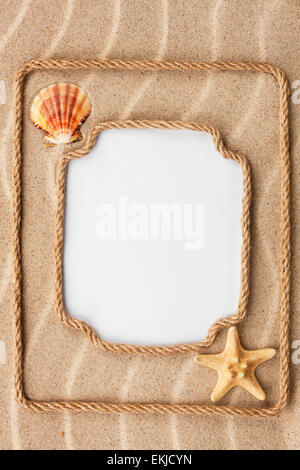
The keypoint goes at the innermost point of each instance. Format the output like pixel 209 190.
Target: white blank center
pixel 135 286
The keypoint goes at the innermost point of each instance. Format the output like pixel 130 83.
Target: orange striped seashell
pixel 59 110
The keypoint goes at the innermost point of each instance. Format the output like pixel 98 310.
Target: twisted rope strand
pixel 245 249
pixel 150 65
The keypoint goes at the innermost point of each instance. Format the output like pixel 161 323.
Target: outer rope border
pixel 62 64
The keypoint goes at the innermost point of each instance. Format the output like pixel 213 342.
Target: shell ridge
pixel 53 92
pixel 71 110
pixel 50 128
pixel 75 122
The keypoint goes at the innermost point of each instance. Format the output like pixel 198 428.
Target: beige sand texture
pixel 60 363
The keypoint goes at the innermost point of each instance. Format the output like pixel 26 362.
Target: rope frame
pixel 245 247
pixel 62 64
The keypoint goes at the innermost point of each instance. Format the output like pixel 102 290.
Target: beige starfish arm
pixel 223 386
pixel 255 358
pixel 209 360
pixel 233 345
pixel 251 384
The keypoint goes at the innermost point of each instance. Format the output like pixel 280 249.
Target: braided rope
pixel 245 251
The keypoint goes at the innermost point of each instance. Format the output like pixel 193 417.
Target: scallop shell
pixel 59 110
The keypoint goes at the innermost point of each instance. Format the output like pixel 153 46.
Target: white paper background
pixel 152 291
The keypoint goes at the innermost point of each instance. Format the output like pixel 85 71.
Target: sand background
pixel 60 363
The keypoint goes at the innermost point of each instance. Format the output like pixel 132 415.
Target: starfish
pixel 236 366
